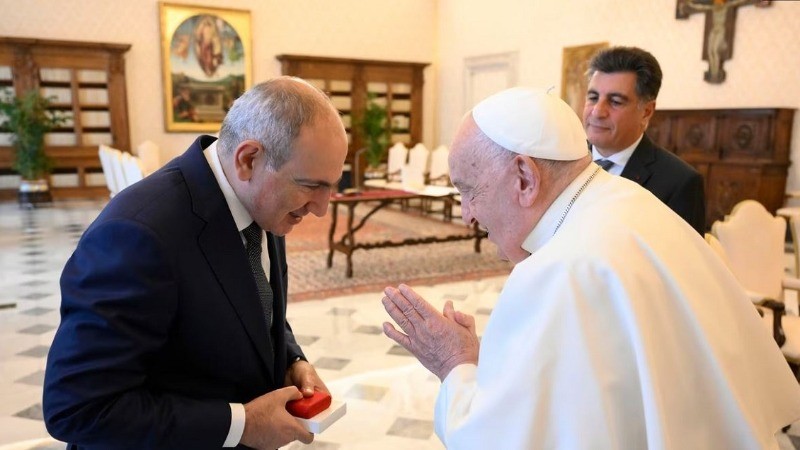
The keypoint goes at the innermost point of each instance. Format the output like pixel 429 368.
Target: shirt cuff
pixel 237 425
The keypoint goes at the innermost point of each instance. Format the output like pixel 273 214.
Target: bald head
pixel 273 113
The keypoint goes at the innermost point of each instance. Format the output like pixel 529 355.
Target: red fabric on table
pixel 309 407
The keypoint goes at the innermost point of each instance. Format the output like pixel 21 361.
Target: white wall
pixel 764 70
pixel 374 29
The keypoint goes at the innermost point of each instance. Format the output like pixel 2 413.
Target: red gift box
pixel 308 407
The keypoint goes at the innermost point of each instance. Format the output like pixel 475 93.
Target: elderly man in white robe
pixel 618 327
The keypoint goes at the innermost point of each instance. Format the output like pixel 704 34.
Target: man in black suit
pixel 173 326
pixel 621 99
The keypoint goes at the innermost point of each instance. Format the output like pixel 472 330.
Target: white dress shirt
pixel 242 219
pixel 620 159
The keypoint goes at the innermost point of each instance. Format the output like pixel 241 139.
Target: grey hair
pixel 273 113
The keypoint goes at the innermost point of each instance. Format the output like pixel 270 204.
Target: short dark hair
pixel 630 59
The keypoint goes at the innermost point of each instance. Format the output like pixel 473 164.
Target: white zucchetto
pixel 532 122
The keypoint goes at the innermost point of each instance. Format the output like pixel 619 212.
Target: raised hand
pixel 440 341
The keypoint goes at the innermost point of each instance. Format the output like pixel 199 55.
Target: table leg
pixel 478 236
pixel 350 239
pixel 334 215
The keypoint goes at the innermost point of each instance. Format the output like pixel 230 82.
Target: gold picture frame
pixel 206 56
pixel 574 64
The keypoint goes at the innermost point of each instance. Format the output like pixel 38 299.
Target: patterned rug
pixel 374 269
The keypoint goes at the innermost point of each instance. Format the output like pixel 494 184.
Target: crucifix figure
pixel 720 26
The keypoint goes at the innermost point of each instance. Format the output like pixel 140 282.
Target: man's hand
pixel 303 376
pixel 268 425
pixel 439 341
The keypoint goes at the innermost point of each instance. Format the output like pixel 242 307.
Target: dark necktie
pixel 605 163
pixel 252 235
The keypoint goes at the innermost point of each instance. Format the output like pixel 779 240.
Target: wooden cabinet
pixel 349 82
pixel 87 81
pixel 742 153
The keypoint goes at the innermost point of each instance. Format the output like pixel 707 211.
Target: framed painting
pixel 574 82
pixel 206 58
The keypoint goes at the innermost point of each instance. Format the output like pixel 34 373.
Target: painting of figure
pixel 574 82
pixel 206 64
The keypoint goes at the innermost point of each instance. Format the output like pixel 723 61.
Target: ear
pixel 528 180
pixel 244 159
pixel 649 109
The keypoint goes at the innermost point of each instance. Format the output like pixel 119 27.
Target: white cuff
pixel 237 425
pixel 455 399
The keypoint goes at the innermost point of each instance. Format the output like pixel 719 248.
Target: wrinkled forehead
pixel 465 159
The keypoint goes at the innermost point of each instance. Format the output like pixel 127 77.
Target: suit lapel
pixel 636 169
pixel 222 246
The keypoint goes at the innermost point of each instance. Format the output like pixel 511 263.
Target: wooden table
pixel 347 244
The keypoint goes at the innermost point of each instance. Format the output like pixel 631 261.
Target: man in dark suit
pixel 621 98
pixel 173 326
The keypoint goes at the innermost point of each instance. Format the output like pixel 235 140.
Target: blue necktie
pixel 605 163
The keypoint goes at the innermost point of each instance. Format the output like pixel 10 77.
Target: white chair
pixel 418 158
pixel 751 232
pixel 439 181
pixel 439 174
pixel 412 178
pixel 132 168
pixel 117 168
pixel 109 173
pixel 752 242
pixel 792 216
pixel 413 174
pixel 149 155
pixel 398 154
pixel 717 247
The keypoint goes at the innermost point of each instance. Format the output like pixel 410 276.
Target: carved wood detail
pixel 741 153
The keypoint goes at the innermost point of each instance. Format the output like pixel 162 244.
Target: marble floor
pixel 389 395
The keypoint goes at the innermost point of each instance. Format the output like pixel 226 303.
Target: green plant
pixel 375 131
pixel 28 119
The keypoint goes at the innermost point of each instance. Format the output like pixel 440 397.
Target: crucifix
pixel 720 26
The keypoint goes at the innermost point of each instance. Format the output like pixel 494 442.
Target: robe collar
pixel 549 222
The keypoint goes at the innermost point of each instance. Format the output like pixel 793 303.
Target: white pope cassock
pixel 622 330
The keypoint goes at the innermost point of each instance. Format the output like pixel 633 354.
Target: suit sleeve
pixel 119 301
pixel 689 202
